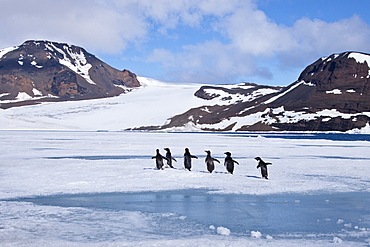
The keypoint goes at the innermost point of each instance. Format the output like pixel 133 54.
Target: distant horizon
pixel 268 42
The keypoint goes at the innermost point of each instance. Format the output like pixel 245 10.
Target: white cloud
pixel 242 39
pixel 252 40
pixel 212 62
pixel 252 32
pixel 91 24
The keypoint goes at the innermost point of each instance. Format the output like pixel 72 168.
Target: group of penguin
pixel 229 161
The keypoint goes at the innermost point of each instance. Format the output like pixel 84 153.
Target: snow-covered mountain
pixel 39 71
pixel 332 94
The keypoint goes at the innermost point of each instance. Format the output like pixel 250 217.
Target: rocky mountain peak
pixel 39 70
pixel 344 71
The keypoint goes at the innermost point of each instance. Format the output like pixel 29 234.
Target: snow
pixel 225 98
pixel 285 92
pixel 134 110
pixel 36 92
pixel 58 163
pixel 363 130
pixel 283 117
pixel 3 94
pixel 34 63
pixel 22 96
pixel 101 114
pixel 334 91
pixel 4 51
pixel 359 57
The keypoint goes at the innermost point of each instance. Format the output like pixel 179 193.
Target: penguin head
pixel 207 151
pixel 167 149
pixel 186 149
pixel 258 158
pixel 228 153
pixel 157 150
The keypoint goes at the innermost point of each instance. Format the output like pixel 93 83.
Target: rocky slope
pixel 39 71
pixel 332 94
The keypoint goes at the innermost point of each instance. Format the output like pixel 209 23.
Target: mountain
pixel 38 71
pixel 332 94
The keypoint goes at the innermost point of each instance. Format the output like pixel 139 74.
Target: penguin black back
pixel 209 161
pixel 159 160
pixel 263 165
pixel 187 159
pixel 229 163
pixel 169 157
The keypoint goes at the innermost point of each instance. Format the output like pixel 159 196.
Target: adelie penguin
pixel 229 163
pixel 209 161
pixel 169 157
pixel 159 160
pixel 187 159
pixel 263 166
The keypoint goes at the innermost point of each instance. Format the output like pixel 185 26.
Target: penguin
pixel 209 161
pixel 159 160
pixel 187 159
pixel 229 163
pixel 169 158
pixel 263 166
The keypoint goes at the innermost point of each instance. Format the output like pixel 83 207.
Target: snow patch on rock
pixel 78 64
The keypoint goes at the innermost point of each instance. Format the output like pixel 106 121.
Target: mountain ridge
pixel 331 94
pixel 38 70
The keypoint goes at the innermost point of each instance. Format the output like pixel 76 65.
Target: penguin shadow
pixel 164 168
pixel 220 172
pixel 251 176
pixel 213 172
pixel 149 168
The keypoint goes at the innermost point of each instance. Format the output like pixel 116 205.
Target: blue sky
pixel 205 41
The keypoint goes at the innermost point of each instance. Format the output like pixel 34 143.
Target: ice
pixel 89 180
pixel 223 231
pixel 256 234
pixel 337 240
